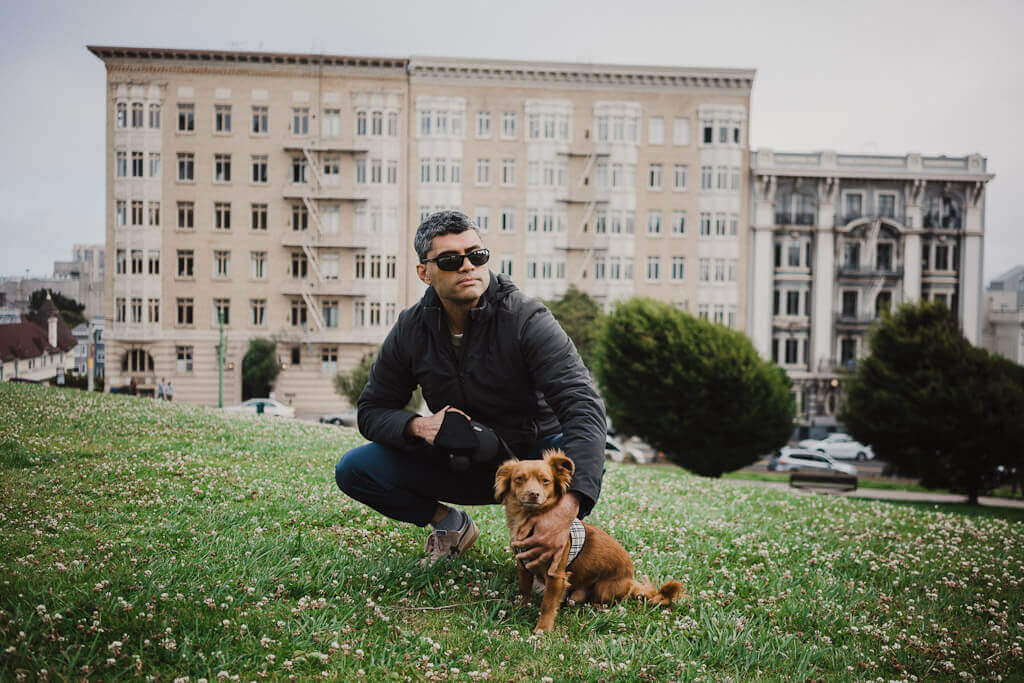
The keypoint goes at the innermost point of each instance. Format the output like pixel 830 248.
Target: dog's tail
pixel 670 592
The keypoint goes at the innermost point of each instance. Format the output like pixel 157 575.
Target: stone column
pixel 762 268
pixel 823 289
pixel 911 267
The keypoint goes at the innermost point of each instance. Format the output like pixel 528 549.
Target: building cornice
pixel 568 74
pixel 830 164
pixel 238 62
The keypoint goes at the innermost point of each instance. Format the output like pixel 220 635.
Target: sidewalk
pixel 891 494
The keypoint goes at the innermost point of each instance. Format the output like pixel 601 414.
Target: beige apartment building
pixel 280 193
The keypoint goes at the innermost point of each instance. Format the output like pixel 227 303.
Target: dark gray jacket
pixel 519 373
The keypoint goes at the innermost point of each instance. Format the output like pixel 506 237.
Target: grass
pixel 162 540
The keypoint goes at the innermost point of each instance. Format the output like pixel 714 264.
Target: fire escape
pixel 584 198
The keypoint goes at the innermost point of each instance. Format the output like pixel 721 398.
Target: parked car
pixel 796 459
pixel 347 418
pixel 264 406
pixel 839 446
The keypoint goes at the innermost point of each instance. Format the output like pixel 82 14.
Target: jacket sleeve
pixel 559 374
pixel 381 407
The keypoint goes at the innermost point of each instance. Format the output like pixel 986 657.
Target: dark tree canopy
pixel 695 390
pixel 935 406
pixel 259 368
pixel 580 316
pixel 70 310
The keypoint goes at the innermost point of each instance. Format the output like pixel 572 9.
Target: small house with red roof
pixel 38 348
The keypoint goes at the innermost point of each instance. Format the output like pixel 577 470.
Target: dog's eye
pixel 520 479
pixel 545 481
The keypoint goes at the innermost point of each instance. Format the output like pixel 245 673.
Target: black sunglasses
pixel 451 262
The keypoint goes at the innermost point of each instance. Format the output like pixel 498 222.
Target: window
pixel 392 172
pixel 656 131
pixel 331 125
pixel 678 268
pixel 153 309
pixel 680 131
pixel 186 167
pixel 734 223
pixel 679 177
pixel 709 132
pixel 329 354
pixel 222 168
pixel 154 164
pixel 377 123
pixel 330 219
pixel 300 265
pixel 505 265
pixel 154 116
pixel 186 263
pixel 853 204
pixel 300 120
pixel 121 121
pixel 393 124
pixel 257 312
pixel 259 169
pixel 884 256
pixel 849 304
pixel 260 120
pixel 136 261
pixel 221 312
pixel 186 118
pixel 184 355
pixel 507 220
pixel 222 118
pixel 121 164
pixel 851 255
pixel 483 171
pixel 508 172
pixel 887 205
pixel 360 123
pixel 257 265
pixel 186 216
pixel 329 266
pixel 299 170
pixel 483 124
pixel 654 176
pixel 705 177
pixel 941 257
pixel 508 125
pixel 653 268
pixel 137 212
pixel 360 171
pixel 654 222
pixel 391 267
pixel 119 310
pixel 483 218
pixel 848 351
pixel 221 264
pixel 376 171
pixel 792 349
pixel 222 216
pixel 678 223
pixel 296 355
pixel 186 312
pixel 154 262
pixel 121 212
pixel 705 269
pixel 138 164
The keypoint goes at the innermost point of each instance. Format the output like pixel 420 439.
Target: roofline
pixel 108 52
pixel 590 67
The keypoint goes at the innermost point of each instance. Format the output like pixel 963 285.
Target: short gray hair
pixel 440 223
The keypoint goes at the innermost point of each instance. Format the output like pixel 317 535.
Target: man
pixel 480 350
pixel 160 389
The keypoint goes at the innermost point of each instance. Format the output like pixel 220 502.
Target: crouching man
pixel 501 378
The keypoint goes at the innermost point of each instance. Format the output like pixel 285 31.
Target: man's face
pixel 467 283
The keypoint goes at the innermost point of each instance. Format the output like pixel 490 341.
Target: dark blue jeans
pixel 408 485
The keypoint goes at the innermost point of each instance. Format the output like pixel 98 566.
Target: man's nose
pixel 466 265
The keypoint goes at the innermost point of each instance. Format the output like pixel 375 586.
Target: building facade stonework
pixel 279 193
pixel 838 238
pixel 1003 329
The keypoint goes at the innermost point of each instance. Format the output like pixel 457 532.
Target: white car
pixel 795 459
pixel 269 407
pixel 839 446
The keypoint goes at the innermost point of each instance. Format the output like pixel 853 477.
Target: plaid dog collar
pixel 577 537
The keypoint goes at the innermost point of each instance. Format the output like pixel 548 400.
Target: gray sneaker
pixel 448 544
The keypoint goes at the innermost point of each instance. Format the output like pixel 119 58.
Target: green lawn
pixel 147 539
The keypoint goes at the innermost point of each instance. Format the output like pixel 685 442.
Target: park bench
pixel 831 480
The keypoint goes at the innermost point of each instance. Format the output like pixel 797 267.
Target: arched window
pixel 137 360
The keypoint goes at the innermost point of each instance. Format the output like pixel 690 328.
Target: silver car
pixel 796 459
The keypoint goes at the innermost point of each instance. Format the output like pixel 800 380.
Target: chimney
pixel 52 325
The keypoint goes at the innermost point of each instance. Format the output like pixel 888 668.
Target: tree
pixel 69 309
pixel 695 390
pixel 935 406
pixel 350 384
pixel 580 316
pixel 259 368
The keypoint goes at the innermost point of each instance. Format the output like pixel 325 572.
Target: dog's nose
pixel 532 496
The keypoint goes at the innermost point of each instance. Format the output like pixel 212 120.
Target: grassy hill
pixel 149 539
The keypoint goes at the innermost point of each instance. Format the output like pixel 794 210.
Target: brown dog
pixel 603 570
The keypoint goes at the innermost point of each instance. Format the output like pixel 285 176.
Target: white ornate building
pixel 836 238
pixel 1003 329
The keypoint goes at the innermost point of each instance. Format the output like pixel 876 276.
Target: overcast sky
pixel 935 76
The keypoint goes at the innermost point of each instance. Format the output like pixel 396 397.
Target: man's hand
pixel 427 428
pixel 549 535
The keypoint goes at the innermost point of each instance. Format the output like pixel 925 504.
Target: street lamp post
pixel 220 362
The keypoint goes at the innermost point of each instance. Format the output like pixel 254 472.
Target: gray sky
pixel 935 76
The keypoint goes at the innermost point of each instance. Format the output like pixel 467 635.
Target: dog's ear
pixel 501 479
pixel 562 466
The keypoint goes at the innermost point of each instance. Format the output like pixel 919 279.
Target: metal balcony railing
pixel 794 218
pixel 849 270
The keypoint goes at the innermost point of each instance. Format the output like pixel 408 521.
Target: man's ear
pixel 421 270
pixel 501 479
pixel 562 466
